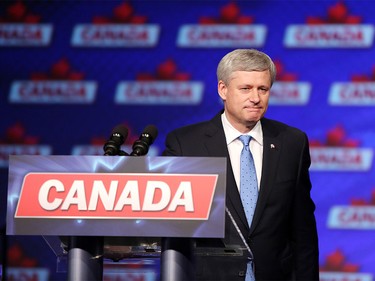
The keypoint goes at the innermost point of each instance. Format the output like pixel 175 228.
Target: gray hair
pixel 244 60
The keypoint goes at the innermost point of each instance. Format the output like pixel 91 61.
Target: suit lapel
pixel 271 155
pixel 216 146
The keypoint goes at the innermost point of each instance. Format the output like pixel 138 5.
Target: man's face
pixel 246 98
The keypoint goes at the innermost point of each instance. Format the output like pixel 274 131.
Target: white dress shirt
pixel 235 147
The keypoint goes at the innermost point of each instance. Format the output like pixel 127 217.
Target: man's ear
pixel 222 90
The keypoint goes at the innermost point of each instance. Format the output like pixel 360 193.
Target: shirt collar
pixel 232 134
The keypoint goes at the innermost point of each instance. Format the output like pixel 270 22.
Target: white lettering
pixel 44 192
pixel 152 186
pixel 158 196
pixel 129 196
pixel 76 196
pixel 183 197
pixel 107 198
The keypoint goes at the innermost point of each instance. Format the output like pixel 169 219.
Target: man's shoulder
pixel 201 126
pixel 193 128
pixel 278 126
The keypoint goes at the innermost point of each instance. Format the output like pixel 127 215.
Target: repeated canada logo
pixel 287 90
pixel 229 29
pixel 337 267
pixel 17 141
pixel 338 29
pixel 339 152
pixel 20 26
pixel 22 266
pixel 60 84
pixel 116 195
pixel 360 214
pixel 359 91
pixel 123 28
pixel 167 85
pixel 132 270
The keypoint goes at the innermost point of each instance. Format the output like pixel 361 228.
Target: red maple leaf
pixel 16 12
pixel 335 136
pixel 229 13
pixel 337 13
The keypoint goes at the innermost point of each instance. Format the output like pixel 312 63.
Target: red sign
pixel 116 195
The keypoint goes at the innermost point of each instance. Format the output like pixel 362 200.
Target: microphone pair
pixel 140 146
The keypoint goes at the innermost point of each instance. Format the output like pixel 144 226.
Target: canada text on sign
pixel 116 195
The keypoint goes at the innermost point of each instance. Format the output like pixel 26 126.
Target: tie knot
pixel 245 139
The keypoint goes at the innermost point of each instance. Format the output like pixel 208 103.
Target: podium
pixel 93 202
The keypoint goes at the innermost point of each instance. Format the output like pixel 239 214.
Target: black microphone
pixel 140 146
pixel 117 138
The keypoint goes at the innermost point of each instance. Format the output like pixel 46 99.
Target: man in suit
pixel 282 239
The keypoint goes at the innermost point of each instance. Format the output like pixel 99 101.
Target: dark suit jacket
pixel 283 235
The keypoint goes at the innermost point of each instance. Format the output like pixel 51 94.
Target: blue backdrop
pixel 39 118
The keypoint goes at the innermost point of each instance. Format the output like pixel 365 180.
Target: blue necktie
pixel 248 190
pixel 248 181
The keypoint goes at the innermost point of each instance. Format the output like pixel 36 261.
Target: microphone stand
pixel 85 258
pixel 177 259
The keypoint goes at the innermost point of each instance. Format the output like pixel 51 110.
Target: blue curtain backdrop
pixel 32 118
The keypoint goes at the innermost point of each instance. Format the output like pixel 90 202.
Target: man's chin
pixel 253 118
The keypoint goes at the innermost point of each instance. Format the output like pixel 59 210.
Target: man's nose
pixel 254 96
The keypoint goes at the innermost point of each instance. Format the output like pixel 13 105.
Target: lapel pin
pixel 272 146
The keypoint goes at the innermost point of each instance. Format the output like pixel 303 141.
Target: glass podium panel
pixel 124 258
